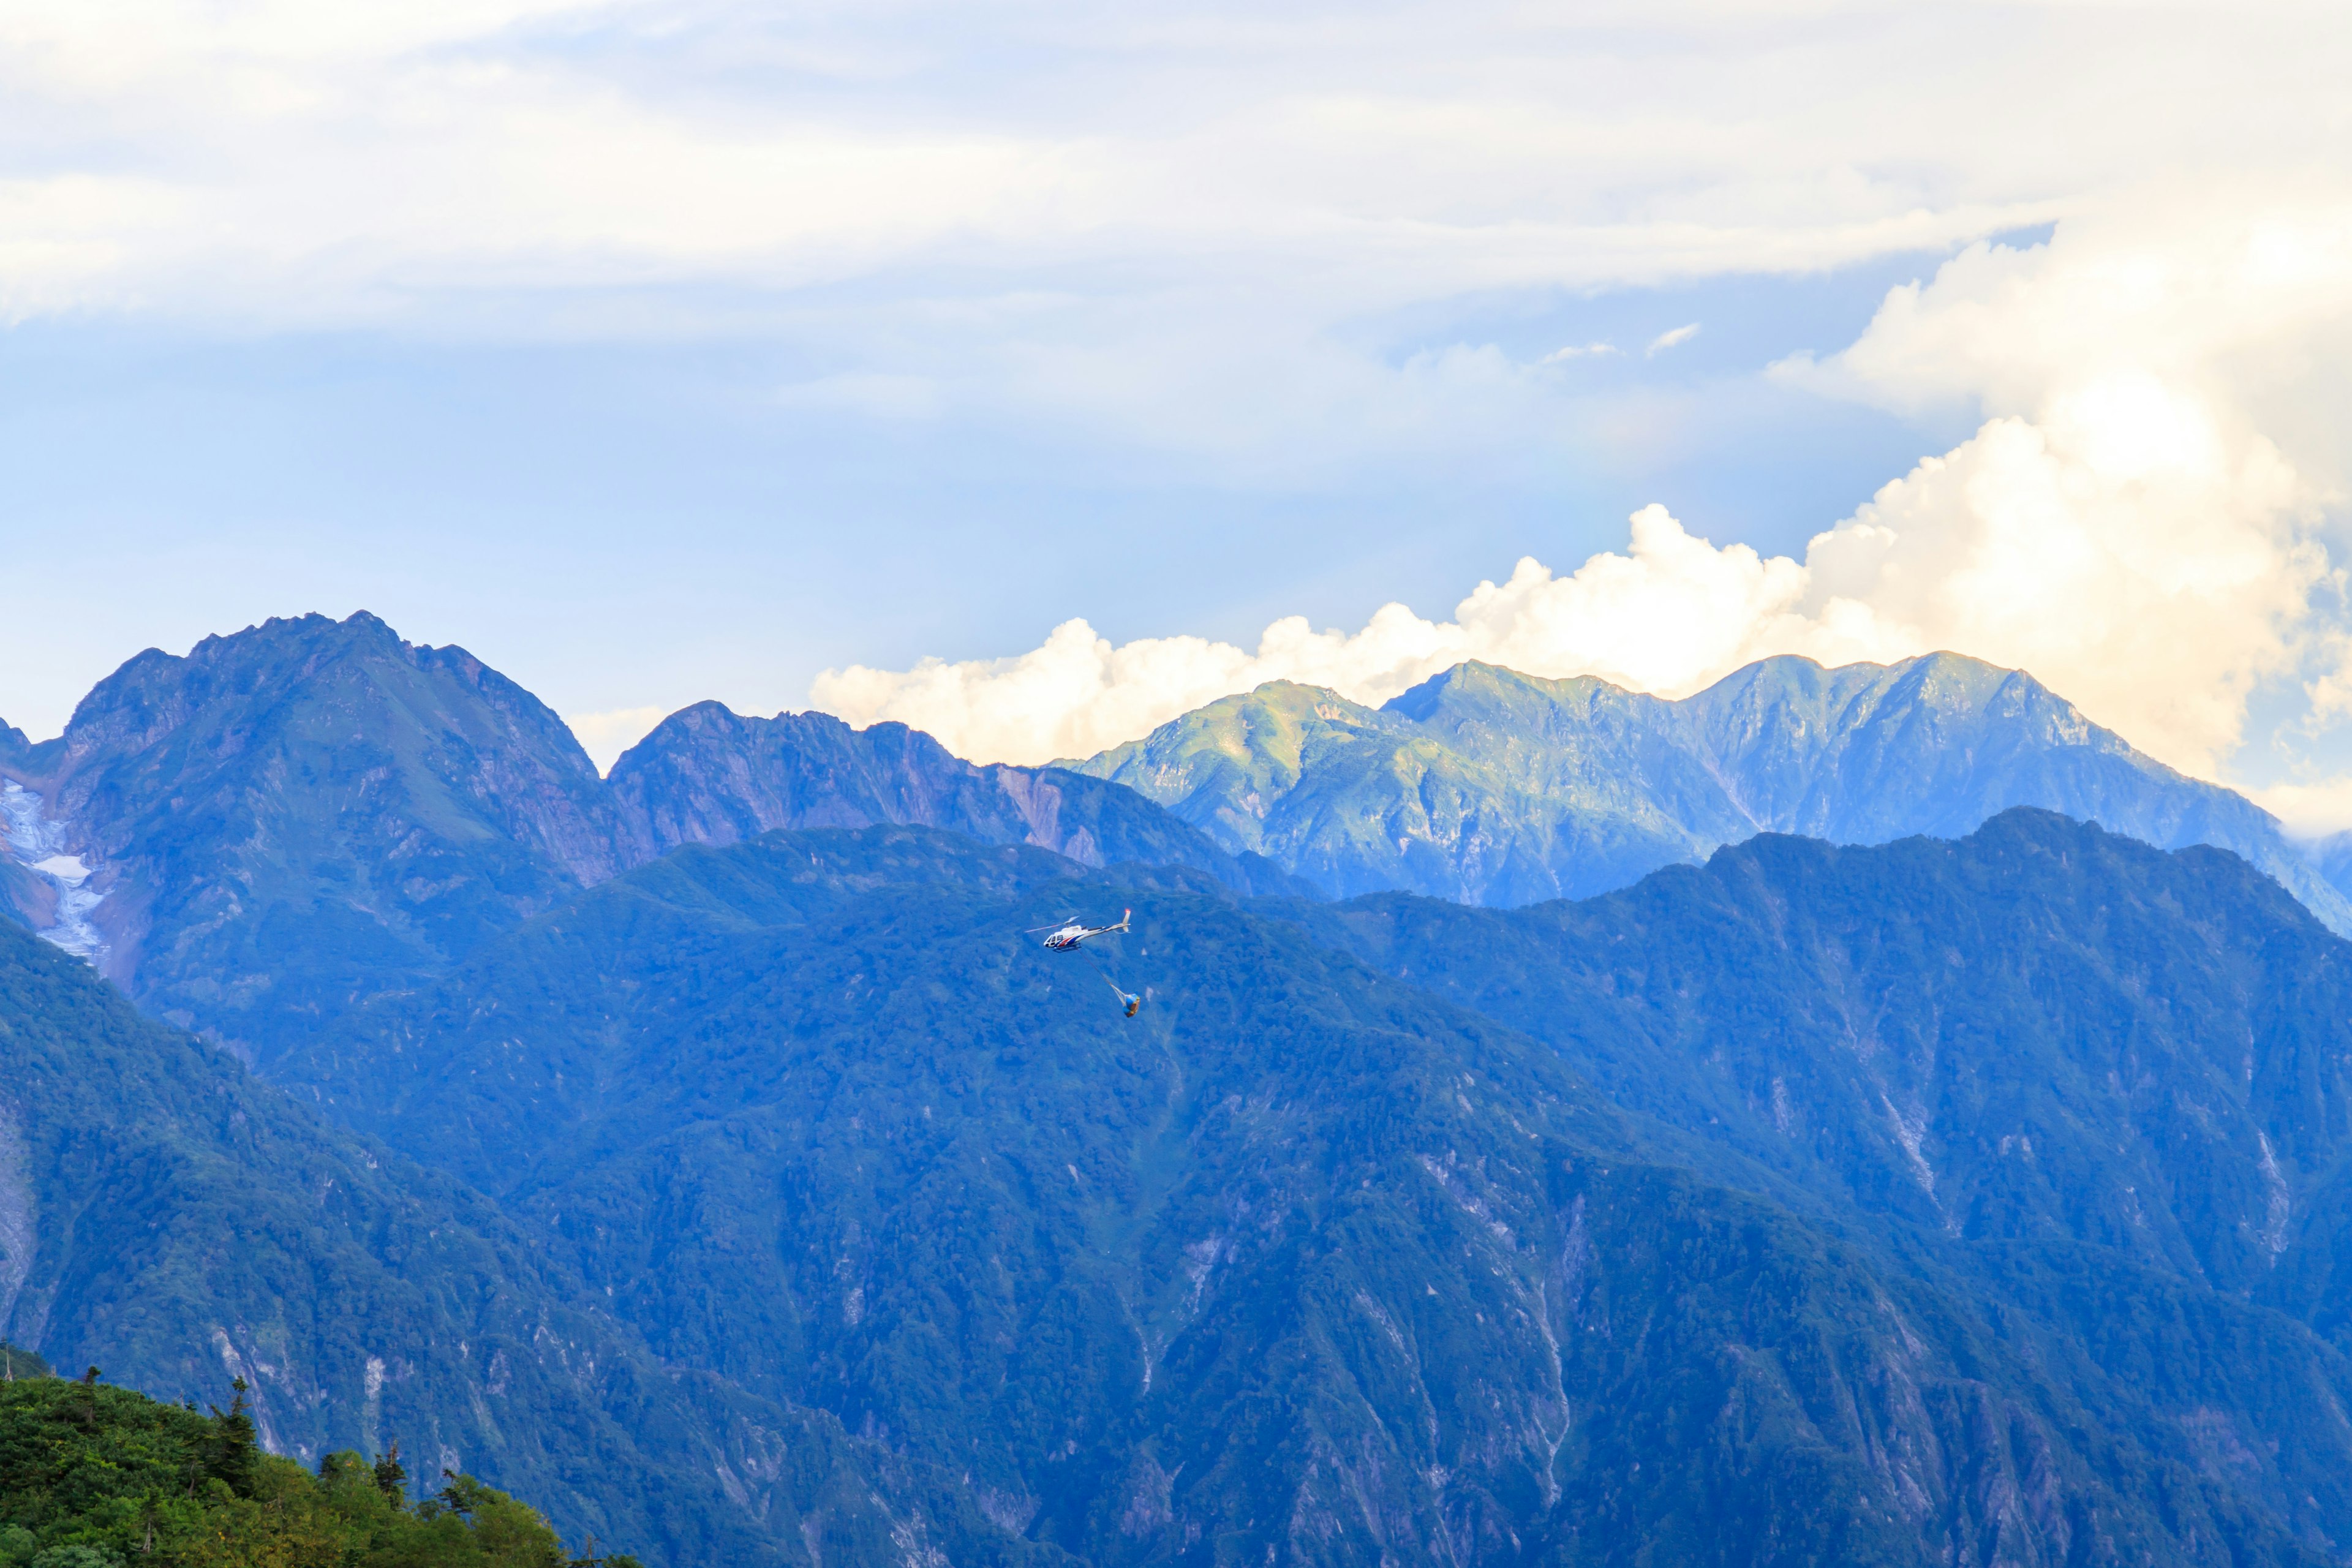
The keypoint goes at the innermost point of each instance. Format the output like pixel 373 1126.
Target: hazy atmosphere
pixel 1032 785
pixel 1033 375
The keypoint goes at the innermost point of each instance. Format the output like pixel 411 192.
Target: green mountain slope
pixel 166 1218
pixel 1487 786
pixel 1301 1261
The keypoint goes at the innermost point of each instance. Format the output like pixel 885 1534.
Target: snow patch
pixel 36 842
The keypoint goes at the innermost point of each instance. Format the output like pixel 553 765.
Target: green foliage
pixel 2105 1092
pixel 94 1476
pixel 17 1362
pixel 310 811
pixel 1979 1203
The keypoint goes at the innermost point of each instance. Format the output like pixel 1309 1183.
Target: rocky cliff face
pixel 308 802
pixel 1487 786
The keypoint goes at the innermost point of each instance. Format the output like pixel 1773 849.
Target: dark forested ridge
pixel 2110 1086
pixel 165 1216
pixel 310 807
pixel 1305 1259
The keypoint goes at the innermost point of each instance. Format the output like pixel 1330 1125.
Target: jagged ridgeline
pixel 97 1477
pixel 1486 787
pixel 310 809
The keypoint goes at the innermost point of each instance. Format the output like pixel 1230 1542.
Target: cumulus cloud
pixel 2122 525
pixel 1668 615
pixel 1672 338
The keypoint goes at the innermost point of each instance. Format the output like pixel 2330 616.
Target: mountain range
pixel 309 801
pixel 1487 786
pixel 167 1217
pixel 706 1154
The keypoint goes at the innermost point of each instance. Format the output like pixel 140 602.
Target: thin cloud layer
pixel 2123 525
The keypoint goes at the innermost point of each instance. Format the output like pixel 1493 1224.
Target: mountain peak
pixel 1486 784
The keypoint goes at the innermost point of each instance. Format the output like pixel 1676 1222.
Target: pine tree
pixel 235 1450
pixel 390 1476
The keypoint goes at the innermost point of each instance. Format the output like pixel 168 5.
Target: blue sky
pixel 630 524
pixel 657 352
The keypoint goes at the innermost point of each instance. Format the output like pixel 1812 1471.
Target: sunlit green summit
pixel 1489 786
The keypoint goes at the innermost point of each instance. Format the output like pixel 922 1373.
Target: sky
pixel 1035 372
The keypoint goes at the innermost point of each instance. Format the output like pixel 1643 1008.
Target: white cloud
pixel 1163 229
pixel 2122 525
pixel 1672 338
pixel 304 163
pixel 1168 226
pixel 1579 351
pixel 2309 811
pixel 1667 616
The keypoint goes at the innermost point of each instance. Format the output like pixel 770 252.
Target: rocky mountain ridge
pixel 251 826
pixel 311 804
pixel 1485 786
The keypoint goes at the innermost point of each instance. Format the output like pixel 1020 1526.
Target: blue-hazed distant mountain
pixel 311 810
pixel 1486 787
pixel 1977 1201
pixel 708 775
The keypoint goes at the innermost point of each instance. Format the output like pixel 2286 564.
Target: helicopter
pixel 1066 937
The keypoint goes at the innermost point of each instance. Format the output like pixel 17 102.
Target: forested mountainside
pixel 707 775
pixel 170 1219
pixel 1307 1260
pixel 1490 787
pixel 2111 1084
pixel 92 1476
